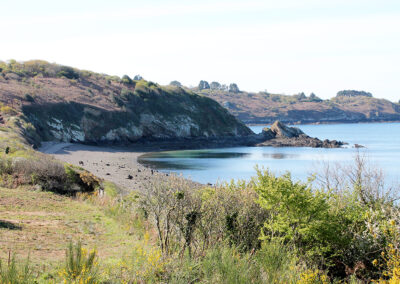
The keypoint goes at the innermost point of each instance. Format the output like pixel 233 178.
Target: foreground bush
pixel 12 272
pixel 81 266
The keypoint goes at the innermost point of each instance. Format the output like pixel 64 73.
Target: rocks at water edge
pixel 281 135
pixel 281 130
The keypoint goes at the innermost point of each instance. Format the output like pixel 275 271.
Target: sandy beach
pixel 111 163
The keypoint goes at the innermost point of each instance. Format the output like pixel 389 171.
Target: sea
pixel 381 142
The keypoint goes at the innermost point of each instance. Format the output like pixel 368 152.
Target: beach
pixel 116 164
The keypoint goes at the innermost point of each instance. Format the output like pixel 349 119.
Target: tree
pixel 314 98
pixel 175 83
pixel 68 72
pixel 126 80
pixel 233 88
pixel 215 86
pixel 203 85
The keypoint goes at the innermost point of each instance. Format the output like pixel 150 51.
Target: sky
pixel 285 46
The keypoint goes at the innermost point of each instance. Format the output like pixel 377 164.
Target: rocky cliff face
pixel 67 104
pixel 150 116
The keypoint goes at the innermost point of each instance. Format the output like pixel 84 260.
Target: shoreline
pixel 325 122
pixel 111 163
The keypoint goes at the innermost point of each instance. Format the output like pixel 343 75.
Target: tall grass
pixel 81 266
pixel 12 272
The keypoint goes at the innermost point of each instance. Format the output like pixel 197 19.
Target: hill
pixel 67 104
pixel 264 107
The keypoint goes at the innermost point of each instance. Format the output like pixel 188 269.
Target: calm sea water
pixel 382 142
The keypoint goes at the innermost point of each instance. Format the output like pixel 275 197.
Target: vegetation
pixel 268 230
pixel 353 93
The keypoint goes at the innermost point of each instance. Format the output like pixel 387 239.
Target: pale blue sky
pixel 285 46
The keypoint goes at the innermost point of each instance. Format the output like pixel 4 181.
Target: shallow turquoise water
pixel 382 141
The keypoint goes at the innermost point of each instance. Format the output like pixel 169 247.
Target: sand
pixel 114 164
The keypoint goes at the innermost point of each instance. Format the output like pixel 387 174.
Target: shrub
pixel 278 262
pixel 299 215
pixel 236 216
pixel 68 72
pixel 46 172
pixel 127 80
pixel 6 167
pixel 313 276
pixel 29 98
pixel 51 175
pixel 80 266
pixel 227 265
pixel 8 110
pixel 173 208
pixel 15 274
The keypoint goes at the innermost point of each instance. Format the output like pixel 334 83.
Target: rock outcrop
pixel 281 135
pixel 282 131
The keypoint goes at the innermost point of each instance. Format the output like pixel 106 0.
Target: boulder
pixel 281 130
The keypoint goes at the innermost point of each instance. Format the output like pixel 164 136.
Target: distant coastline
pixel 324 122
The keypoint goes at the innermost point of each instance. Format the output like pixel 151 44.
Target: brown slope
pixel 265 108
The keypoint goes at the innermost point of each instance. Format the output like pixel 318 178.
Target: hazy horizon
pixel 286 47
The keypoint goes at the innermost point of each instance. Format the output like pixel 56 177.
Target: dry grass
pixel 42 223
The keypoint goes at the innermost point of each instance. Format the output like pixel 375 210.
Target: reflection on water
pixel 279 156
pixel 211 165
pixel 194 154
pixel 170 165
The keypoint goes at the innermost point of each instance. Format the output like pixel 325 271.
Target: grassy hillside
pixel 68 104
pixel 264 107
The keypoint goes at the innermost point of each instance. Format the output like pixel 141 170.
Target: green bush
pixel 68 72
pixel 299 215
pixel 127 80
pixel 236 216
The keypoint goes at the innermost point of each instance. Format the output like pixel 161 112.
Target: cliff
pixel 66 104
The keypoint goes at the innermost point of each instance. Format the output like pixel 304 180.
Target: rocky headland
pixel 348 106
pixel 49 102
